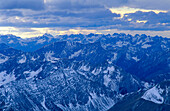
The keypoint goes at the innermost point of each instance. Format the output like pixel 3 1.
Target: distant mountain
pixel 28 44
pixel 149 63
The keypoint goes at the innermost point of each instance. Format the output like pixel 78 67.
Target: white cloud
pixel 150 4
pixel 96 16
pixel 22 4
pixel 126 10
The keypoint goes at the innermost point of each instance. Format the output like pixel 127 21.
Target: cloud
pixel 87 14
pixel 82 4
pixel 60 18
pixel 102 18
pixel 150 4
pixel 10 13
pixel 22 4
pixel 126 10
pixel 152 18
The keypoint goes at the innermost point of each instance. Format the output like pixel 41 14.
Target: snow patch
pixel 145 46
pixel 33 59
pixel 128 56
pixel 11 41
pixel 106 80
pixel 153 95
pixel 82 73
pixel 136 59
pixel 119 77
pixel 93 95
pixel 119 44
pixel 139 42
pixel 43 104
pixel 48 56
pixel 114 57
pixel 3 58
pixel 23 60
pixel 70 105
pixel 41 41
pixel 85 68
pixel 55 68
pixel 76 54
pixel 33 73
pixel 96 71
pixel 146 85
pixel 6 78
pixel 109 69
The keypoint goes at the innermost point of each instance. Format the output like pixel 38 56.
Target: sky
pixel 31 18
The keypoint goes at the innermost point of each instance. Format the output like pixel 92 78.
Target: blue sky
pixel 29 18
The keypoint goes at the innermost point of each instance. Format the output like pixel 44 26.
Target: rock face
pixel 51 79
pixel 65 89
pixel 80 72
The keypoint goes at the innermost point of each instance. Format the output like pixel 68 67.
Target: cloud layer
pixel 86 14
pixel 22 4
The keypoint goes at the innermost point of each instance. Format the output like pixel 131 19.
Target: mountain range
pixel 79 72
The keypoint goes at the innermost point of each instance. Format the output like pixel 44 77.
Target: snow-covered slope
pixel 154 95
pixel 156 98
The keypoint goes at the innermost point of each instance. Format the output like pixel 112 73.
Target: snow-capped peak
pixel 154 95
